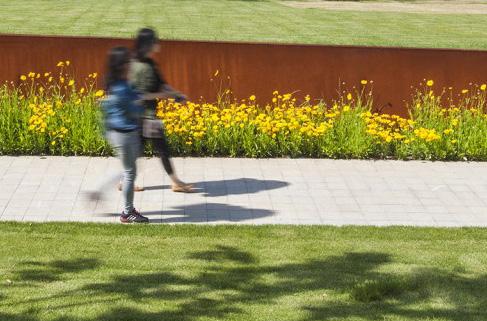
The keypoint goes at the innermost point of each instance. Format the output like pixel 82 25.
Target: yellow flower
pixel 349 96
pixel 23 77
pixel 61 79
pixel 216 73
pixel 464 91
pixel 252 98
pixel 346 108
pixel 60 64
pixel 448 131
pixel 454 141
pixel 483 87
pixel 46 74
pixel 53 143
pixel 71 82
pixel 363 82
pixel 99 93
pixel 82 90
pixel 50 79
pixel 430 83
pixel 95 75
pixel 32 74
pixel 68 62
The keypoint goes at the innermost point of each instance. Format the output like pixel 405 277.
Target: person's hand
pixel 180 98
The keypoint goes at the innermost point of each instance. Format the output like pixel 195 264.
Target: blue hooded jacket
pixel 120 108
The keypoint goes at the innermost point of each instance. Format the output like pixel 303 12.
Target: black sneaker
pixel 133 217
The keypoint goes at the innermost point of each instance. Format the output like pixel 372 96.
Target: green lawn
pixel 267 21
pixel 111 272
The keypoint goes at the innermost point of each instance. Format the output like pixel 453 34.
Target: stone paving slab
pixel 251 191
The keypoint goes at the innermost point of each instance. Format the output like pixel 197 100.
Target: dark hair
pixel 145 40
pixel 118 57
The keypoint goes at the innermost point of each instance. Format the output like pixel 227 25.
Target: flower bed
pixel 51 114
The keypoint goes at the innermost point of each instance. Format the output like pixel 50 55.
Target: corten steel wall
pixel 261 68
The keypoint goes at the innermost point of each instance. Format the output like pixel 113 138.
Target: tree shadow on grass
pixel 37 271
pixel 17 317
pixel 228 278
pixel 244 278
pixel 224 253
pixel 231 270
pixel 447 296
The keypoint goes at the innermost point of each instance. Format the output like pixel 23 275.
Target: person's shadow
pixel 236 186
pixel 206 213
pixel 214 212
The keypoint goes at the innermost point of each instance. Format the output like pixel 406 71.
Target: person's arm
pixel 173 93
pixel 159 95
pixel 166 93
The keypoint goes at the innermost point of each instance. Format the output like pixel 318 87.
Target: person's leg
pixel 129 158
pixel 105 182
pixel 161 146
pixel 131 151
pixel 139 166
pixel 111 175
pixel 123 144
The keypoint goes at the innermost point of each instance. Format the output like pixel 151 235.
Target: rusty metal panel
pixel 261 68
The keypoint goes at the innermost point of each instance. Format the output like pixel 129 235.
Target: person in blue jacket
pixel 122 111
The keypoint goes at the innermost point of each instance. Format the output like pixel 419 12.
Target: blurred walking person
pixel 145 77
pixel 122 111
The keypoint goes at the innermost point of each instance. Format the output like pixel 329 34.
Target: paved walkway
pixel 428 6
pixel 249 191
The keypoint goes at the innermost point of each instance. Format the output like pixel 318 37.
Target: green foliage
pixel 54 116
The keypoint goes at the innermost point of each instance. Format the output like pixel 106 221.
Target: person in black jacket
pixel 145 76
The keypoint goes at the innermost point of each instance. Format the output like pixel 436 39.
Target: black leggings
pixel 161 147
